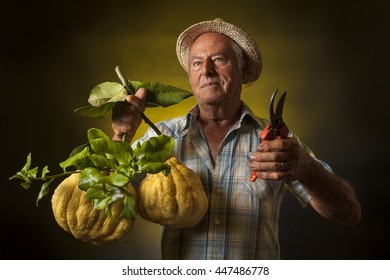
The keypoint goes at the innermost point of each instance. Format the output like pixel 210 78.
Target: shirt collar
pixel 246 114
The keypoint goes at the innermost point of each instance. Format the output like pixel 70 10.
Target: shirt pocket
pixel 259 188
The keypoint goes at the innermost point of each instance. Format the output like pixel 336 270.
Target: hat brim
pixel 253 56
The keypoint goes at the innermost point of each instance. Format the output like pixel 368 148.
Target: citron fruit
pixel 177 200
pixel 76 215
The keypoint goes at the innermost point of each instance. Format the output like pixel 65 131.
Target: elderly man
pixel 219 140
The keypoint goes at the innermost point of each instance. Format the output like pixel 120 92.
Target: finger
pixel 128 127
pixel 116 137
pixel 138 99
pixel 269 166
pixel 124 112
pixel 275 145
pixel 274 176
pixel 126 123
pixel 119 131
pixel 119 135
pixel 271 156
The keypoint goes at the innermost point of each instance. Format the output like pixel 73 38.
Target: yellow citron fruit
pixel 176 200
pixel 76 214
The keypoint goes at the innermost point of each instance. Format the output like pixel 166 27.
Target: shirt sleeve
pixel 296 187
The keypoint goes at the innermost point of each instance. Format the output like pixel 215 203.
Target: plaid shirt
pixel 242 219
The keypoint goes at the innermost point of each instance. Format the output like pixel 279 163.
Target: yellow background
pixel 330 56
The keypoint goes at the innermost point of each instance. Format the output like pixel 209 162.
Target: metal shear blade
pixel 276 118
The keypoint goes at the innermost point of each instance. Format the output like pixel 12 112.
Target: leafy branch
pixel 106 168
pixel 103 97
pixel 126 84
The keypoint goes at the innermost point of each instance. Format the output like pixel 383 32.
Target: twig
pixel 125 83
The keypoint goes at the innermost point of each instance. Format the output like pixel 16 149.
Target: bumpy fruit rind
pixel 76 215
pixel 177 200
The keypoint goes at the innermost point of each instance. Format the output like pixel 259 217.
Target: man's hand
pixel 126 116
pixel 280 159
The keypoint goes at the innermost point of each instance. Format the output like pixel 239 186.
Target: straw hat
pixel 188 36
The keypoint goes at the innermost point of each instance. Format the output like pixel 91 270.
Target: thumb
pixel 141 94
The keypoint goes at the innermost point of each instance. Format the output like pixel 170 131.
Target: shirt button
pixel 217 221
pixel 219 190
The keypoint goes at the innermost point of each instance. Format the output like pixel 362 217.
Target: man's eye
pixel 196 63
pixel 219 60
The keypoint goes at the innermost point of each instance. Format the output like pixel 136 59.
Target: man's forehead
pixel 195 56
pixel 216 41
pixel 212 36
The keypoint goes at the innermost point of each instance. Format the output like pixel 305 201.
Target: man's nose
pixel 208 68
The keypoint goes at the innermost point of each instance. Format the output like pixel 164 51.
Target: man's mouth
pixel 210 83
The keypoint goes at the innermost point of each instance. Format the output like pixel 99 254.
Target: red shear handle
pixel 267 134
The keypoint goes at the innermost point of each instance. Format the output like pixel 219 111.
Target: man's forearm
pixel 331 196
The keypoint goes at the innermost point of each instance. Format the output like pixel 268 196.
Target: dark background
pixel 331 56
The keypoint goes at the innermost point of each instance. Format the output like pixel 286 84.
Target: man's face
pixel 214 72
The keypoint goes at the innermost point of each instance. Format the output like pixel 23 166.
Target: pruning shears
pixel 276 129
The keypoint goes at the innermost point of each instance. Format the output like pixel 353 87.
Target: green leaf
pixel 102 162
pixel 126 170
pixel 18 175
pixel 107 92
pixel 89 178
pixel 163 95
pixel 157 148
pixel 45 171
pixel 79 149
pixel 26 167
pixel 32 173
pixel 116 195
pixel 95 112
pixel 152 154
pixel 120 150
pixel 26 184
pixel 94 133
pixel 25 174
pixel 116 179
pixel 103 97
pixel 153 167
pixel 44 191
pixel 22 176
pixel 103 145
pixel 93 193
pixel 134 86
pixel 79 160
pixel 102 204
pixel 129 210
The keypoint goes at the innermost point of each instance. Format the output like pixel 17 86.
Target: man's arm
pixel 331 196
